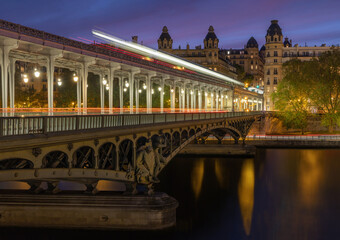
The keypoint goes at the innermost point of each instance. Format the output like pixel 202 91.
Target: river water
pixel 279 194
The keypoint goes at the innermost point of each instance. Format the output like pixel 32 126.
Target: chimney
pixel 135 39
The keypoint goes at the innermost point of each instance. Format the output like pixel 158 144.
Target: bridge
pixel 190 87
pixel 132 144
pixel 130 148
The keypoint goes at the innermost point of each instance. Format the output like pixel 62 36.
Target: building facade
pixel 209 56
pixel 250 59
pixel 279 51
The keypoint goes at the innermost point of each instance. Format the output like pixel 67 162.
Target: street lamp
pixel 152 91
pixel 59 82
pixel 25 78
pixel 144 86
pixel 36 73
pixel 159 89
pixel 127 84
pixel 75 77
pixel 139 90
pixel 124 89
pixel 171 90
pixel 104 81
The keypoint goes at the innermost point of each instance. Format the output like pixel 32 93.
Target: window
pixel 275 80
pixel 251 67
pixel 275 53
pixel 242 62
pixel 285 54
pixel 193 54
pixel 215 69
pixel 275 39
pixel 268 72
pixel 251 62
pixel 275 60
pixel 275 71
pixel 268 55
pixel 44 87
pixel 268 81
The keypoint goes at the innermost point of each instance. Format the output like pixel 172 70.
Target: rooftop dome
pixel 211 34
pixel 165 34
pixel 252 43
pixel 274 29
pixel 287 43
pixel 263 48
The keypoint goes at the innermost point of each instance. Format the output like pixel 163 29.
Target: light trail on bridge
pixel 94 111
pixel 162 56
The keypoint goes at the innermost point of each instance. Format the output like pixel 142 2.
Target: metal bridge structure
pixel 130 148
pixel 111 145
pixel 128 71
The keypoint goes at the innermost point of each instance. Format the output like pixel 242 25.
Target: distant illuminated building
pixel 209 56
pixel 250 59
pixel 278 52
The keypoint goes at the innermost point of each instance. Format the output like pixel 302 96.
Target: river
pixel 279 194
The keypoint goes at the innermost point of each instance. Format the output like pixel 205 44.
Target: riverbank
pixel 228 148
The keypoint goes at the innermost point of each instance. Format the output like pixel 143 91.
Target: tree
pixel 242 76
pixel 308 85
pixel 324 81
pixel 292 96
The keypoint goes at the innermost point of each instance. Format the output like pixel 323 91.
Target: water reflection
pixel 219 173
pixel 246 193
pixel 310 177
pixel 197 177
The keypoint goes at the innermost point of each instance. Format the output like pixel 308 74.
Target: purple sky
pixel 305 21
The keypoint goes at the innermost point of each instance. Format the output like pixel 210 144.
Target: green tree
pixel 242 76
pixel 324 83
pixel 292 96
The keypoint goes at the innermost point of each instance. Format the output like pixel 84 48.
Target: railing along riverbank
pixel 25 125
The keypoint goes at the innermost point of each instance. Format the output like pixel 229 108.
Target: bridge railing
pixel 13 126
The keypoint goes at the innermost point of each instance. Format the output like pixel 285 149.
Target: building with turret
pixel 279 51
pixel 250 59
pixel 208 56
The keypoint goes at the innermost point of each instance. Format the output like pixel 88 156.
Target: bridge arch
pixel 126 155
pixel 55 159
pixel 175 140
pixel 16 163
pixel 107 156
pixel 184 136
pixel 84 157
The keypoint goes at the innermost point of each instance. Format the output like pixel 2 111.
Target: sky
pixel 311 22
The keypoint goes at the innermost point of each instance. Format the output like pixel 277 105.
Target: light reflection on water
pixel 197 177
pixel 279 194
pixel 246 187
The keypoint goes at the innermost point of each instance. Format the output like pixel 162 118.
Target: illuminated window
pixel 275 80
